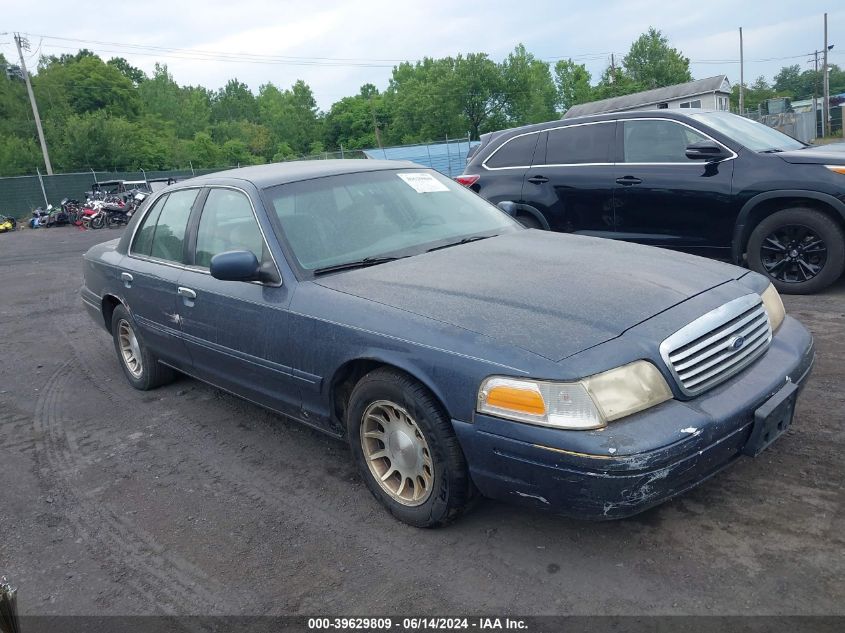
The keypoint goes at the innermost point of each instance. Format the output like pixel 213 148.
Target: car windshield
pixel 755 136
pixel 336 220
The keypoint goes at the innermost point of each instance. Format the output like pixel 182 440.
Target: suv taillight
pixel 467 180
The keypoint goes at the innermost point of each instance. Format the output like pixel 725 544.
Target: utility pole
pixel 376 129
pixel 22 43
pixel 825 85
pixel 741 75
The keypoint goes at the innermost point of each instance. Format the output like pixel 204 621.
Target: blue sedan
pixel 457 352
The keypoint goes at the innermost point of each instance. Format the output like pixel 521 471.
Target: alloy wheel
pixel 130 350
pixel 793 253
pixel 397 453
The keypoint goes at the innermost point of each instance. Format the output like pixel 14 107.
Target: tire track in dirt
pixel 167 582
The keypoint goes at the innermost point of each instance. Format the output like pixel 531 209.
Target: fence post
pixel 192 168
pixel 95 175
pixel 41 182
pixel 341 151
pixel 428 149
pixel 448 156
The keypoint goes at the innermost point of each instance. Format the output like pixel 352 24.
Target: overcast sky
pixel 358 42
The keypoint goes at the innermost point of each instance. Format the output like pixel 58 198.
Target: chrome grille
pixel 717 345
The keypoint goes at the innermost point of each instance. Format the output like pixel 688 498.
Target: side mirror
pixel 235 266
pixel 706 150
pixel 508 207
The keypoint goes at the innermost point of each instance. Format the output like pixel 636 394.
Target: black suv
pixel 710 183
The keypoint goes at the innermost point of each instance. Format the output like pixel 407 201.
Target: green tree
pixel 290 115
pixel 352 121
pixel 83 83
pixel 528 90
pixel 135 75
pixel 652 63
pixel 755 94
pixel 234 102
pixel 614 82
pixel 573 84
pixel 787 82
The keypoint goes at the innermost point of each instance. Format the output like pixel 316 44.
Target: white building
pixel 712 93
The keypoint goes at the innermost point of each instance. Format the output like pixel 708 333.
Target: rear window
pixel 580 144
pixel 163 231
pixel 517 152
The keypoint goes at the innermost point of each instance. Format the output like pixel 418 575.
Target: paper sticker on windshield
pixel 423 182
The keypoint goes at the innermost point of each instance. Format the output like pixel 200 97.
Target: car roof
pixel 280 173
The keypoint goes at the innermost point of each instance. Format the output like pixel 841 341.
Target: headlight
pixel 839 169
pixel 774 306
pixel 587 404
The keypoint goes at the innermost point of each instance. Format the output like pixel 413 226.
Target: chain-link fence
pixel 19 195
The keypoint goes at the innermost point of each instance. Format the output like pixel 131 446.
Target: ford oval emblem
pixel 735 343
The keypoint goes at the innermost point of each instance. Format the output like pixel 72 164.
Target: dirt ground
pixel 186 500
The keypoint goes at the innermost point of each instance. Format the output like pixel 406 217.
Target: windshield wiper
pixel 358 263
pixel 773 150
pixel 465 240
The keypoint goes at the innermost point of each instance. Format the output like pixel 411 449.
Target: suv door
pixel 236 331
pixel 571 180
pixel 663 198
pixel 504 170
pixel 155 263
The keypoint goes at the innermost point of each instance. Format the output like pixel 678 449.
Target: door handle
pixel 126 278
pixel 627 181
pixel 187 293
pixel 538 180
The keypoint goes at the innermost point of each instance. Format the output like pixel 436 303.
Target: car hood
pixel 548 293
pixel 833 154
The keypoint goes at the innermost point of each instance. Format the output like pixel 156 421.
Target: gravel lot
pixel 186 500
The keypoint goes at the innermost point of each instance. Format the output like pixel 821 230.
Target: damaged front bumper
pixel 641 461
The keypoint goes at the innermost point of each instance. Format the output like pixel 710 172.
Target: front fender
pixel 741 228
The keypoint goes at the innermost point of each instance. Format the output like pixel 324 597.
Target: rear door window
pixel 144 237
pixel 169 235
pixel 580 144
pixel 517 152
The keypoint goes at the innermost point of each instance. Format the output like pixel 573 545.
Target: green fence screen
pixel 19 195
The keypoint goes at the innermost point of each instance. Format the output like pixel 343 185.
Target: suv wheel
pixel 406 450
pixel 801 250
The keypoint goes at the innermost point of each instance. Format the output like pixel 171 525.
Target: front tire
pixel 801 250
pixel 406 450
pixel 139 364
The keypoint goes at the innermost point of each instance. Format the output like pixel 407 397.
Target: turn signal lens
pixel 839 169
pixel 774 306
pixel 523 398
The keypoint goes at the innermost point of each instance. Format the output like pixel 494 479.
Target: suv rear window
pixel 517 152
pixel 580 144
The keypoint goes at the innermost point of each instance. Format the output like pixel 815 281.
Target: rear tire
pixel 140 366
pixel 393 415
pixel 800 250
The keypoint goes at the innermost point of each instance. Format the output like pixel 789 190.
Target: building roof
pixel 650 97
